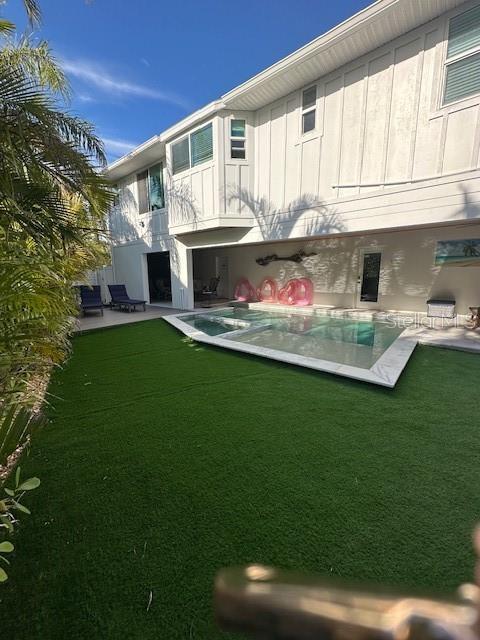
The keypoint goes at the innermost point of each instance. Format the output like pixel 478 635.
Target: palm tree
pixel 53 204
pixel 470 248
pixel 33 12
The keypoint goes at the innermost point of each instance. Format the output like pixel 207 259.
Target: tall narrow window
pixel 180 156
pixel 462 73
pixel 116 196
pixel 142 189
pixel 155 186
pixel 237 139
pixel 309 105
pixel 201 145
pixel 150 189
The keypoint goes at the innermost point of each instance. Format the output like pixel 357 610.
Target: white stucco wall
pixel 129 264
pixel 408 273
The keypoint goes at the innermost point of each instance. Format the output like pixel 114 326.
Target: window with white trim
pixel 462 65
pixel 181 155
pixel 116 195
pixel 150 189
pixel 309 108
pixel 193 149
pixel 142 192
pixel 237 139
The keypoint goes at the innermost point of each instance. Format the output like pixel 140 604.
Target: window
pixel 116 196
pixel 201 145
pixel 150 189
pixel 462 73
pixel 142 189
pixel 192 150
pixel 309 105
pixel 181 156
pixel 155 186
pixel 237 139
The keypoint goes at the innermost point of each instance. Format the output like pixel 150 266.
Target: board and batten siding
pixel 380 127
pixel 236 181
pixel 126 224
pixel 193 194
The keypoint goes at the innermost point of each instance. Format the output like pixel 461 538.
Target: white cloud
pixel 115 147
pixel 92 74
pixel 84 97
pixel 145 62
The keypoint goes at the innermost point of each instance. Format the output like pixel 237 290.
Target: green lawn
pixel 166 460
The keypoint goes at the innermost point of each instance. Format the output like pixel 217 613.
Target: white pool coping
pixel 385 371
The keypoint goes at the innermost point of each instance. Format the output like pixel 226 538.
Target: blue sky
pixel 138 66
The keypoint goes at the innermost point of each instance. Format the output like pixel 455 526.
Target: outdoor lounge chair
pixel 90 299
pixel 120 298
pixel 207 294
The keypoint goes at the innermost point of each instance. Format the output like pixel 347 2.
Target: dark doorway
pixel 159 283
pixel 370 277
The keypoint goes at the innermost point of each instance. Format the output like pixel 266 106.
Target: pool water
pixel 358 343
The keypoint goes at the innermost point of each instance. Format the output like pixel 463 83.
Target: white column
pixel 181 268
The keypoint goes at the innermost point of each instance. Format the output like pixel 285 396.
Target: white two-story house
pixel 361 149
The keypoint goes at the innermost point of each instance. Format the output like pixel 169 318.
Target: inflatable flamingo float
pixel 296 292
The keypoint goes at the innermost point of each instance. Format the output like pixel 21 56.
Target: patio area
pixel 115 317
pixel 184 459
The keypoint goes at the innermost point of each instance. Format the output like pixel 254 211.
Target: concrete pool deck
pixel 437 332
pixel 115 317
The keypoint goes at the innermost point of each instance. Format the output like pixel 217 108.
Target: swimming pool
pixel 357 347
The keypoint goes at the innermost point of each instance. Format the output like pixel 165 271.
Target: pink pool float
pixel 304 292
pixel 297 292
pixel 244 291
pixel 267 291
pixel 286 295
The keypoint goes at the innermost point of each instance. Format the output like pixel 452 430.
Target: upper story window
pixel 309 106
pixel 116 195
pixel 155 187
pixel 181 155
pixel 150 189
pixel 237 139
pixel 193 150
pixel 462 73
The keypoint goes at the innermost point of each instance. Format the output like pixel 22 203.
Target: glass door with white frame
pixel 369 278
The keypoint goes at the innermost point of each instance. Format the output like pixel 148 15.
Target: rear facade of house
pixel 360 149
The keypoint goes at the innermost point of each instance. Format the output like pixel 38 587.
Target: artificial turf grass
pixel 166 460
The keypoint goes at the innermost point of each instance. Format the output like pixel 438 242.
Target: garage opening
pixel 159 282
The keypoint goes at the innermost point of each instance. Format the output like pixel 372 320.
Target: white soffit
pixel 146 154
pixel 376 25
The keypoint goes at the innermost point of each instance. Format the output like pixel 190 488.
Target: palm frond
pixel 6 27
pixel 53 206
pixel 32 9
pixel 36 62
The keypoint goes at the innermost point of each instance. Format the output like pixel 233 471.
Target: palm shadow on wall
pixel 145 232
pixel 278 224
pixel 306 218
pixel 180 203
pixel 469 210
